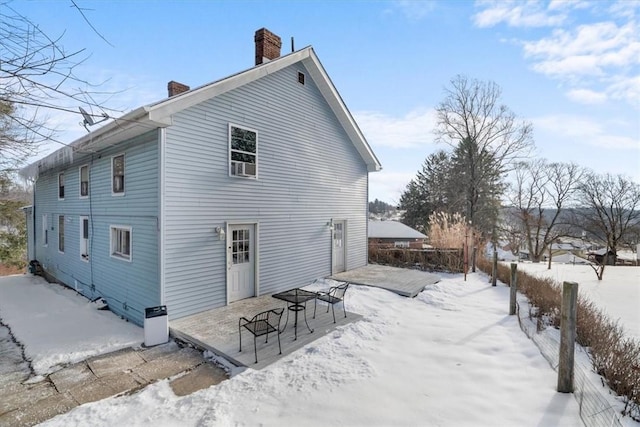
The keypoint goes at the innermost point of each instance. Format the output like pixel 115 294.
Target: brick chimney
pixel 267 46
pixel 175 88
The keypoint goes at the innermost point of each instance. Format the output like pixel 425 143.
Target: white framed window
pixel 84 181
pixel 61 186
pixel 61 233
pixel 117 175
pixel 84 238
pixel 243 152
pixel 45 230
pixel 121 242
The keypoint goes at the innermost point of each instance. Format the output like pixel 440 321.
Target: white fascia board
pixel 330 93
pixel 163 110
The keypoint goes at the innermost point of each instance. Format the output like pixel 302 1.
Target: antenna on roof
pixel 88 120
pixel 292 48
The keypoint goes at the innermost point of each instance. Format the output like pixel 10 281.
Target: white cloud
pixel 388 186
pixel 582 130
pixel 597 61
pixel 586 96
pixel 415 10
pixel 519 14
pixel 412 130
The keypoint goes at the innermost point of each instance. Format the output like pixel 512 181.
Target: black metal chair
pixel 262 324
pixel 333 296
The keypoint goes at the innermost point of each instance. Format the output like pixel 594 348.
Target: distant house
pixel 394 234
pixel 249 185
pixel 599 256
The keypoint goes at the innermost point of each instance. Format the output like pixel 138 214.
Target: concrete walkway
pixel 121 372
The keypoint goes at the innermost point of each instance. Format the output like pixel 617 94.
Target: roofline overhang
pixel 160 114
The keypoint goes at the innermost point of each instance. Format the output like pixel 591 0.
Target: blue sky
pixel 572 68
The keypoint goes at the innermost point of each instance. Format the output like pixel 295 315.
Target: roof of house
pixel 392 230
pixel 159 114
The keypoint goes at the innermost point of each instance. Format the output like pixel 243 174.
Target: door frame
pixel 344 242
pixel 256 256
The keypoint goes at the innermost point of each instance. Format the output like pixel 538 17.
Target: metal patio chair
pixel 262 324
pixel 333 296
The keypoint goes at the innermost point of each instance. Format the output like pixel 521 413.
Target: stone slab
pixel 172 364
pixel 121 383
pixel 114 363
pixel 91 392
pixel 199 378
pixel 72 376
pixel 36 413
pixel 161 350
pixel 25 395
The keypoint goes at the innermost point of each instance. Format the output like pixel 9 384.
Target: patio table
pixel 296 301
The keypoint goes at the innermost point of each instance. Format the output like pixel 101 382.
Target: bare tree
pixel 37 76
pixel 540 195
pixel 610 212
pixel 488 137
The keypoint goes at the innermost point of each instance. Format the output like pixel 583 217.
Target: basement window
pixel 121 242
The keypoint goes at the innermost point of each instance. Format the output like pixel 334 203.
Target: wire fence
pixel 596 409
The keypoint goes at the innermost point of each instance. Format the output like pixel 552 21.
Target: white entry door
pixel 338 247
pixel 241 266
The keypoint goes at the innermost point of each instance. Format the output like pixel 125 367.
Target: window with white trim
pixel 84 238
pixel 45 230
pixel 61 233
pixel 243 152
pixel 121 242
pixel 84 181
pixel 61 185
pixel 117 172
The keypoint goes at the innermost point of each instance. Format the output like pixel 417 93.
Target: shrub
pixel 448 260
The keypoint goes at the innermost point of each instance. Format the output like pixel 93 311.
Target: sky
pixel 571 68
pixel 449 357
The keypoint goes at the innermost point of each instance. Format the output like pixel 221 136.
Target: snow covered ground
pixel 449 357
pixel 58 326
pixel 618 294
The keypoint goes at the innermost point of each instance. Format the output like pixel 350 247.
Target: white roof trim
pixel 159 114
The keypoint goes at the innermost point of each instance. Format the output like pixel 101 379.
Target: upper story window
pixel 61 185
pixel 45 230
pixel 84 238
pixel 61 233
pixel 117 172
pixel 243 152
pixel 84 181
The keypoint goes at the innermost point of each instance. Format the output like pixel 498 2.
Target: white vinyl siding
pixel 309 172
pixel 121 242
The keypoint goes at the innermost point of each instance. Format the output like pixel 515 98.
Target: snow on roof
pixel 392 230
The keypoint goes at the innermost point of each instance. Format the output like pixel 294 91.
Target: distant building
pixel 394 234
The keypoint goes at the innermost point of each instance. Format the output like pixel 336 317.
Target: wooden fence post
pixel 514 288
pixel 567 336
pixel 473 259
pixel 494 274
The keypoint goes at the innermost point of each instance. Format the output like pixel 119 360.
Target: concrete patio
pixel 401 281
pixel 216 330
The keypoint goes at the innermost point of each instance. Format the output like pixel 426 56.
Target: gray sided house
pixel 249 185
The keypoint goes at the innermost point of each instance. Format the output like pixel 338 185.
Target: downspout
pixel 162 140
